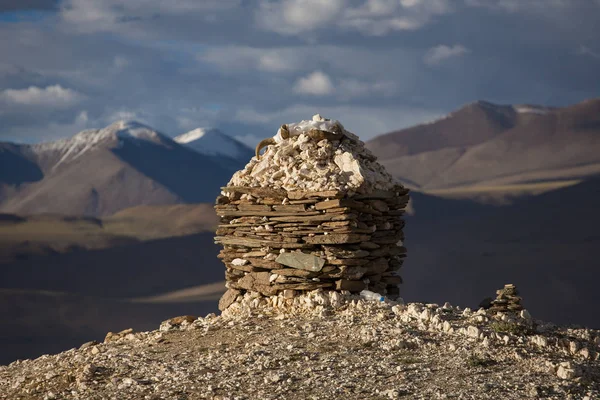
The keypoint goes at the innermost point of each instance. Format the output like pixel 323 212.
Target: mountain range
pixel 480 148
pixel 81 274
pixel 98 172
pixel 485 145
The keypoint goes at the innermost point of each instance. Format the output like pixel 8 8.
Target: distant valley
pixel 460 251
pixel 22 237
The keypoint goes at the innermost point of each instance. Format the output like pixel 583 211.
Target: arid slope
pixel 488 144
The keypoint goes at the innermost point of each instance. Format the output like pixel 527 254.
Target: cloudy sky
pixel 247 66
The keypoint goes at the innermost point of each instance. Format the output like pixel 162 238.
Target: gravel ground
pixel 323 345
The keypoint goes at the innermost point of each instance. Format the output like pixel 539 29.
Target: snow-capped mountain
pixel 213 142
pixel 115 135
pixel 101 171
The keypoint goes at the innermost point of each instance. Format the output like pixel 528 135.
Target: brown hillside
pixel 100 172
pixel 524 146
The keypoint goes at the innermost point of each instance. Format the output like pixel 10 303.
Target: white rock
pixel 446 326
pixel 391 393
pixel 585 353
pixel 321 299
pixel 426 315
pixel 473 331
pixel 573 347
pixel 336 299
pixel 541 341
pixel 567 370
pixel 239 262
pixel 304 163
pixel 414 310
pixel 349 165
pixel 398 309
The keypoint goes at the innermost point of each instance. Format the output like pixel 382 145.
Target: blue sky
pixel 247 66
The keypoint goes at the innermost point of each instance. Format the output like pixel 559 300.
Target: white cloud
pixel 105 15
pixel 340 61
pixel 51 97
pixel 380 17
pixel 296 16
pixel 316 83
pixel 437 54
pixel 370 17
pixel 352 73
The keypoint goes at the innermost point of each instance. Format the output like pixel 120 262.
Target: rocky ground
pixel 323 345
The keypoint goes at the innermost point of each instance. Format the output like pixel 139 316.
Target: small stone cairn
pixel 507 300
pixel 316 211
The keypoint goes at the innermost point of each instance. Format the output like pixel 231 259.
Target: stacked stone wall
pixel 274 240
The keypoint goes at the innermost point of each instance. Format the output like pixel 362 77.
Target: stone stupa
pixel 315 211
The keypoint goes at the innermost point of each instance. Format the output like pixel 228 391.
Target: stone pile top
pixel 507 299
pixel 323 345
pixel 318 155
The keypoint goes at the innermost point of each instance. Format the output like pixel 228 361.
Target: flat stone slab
pixel 307 262
pixel 228 298
pixel 336 238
